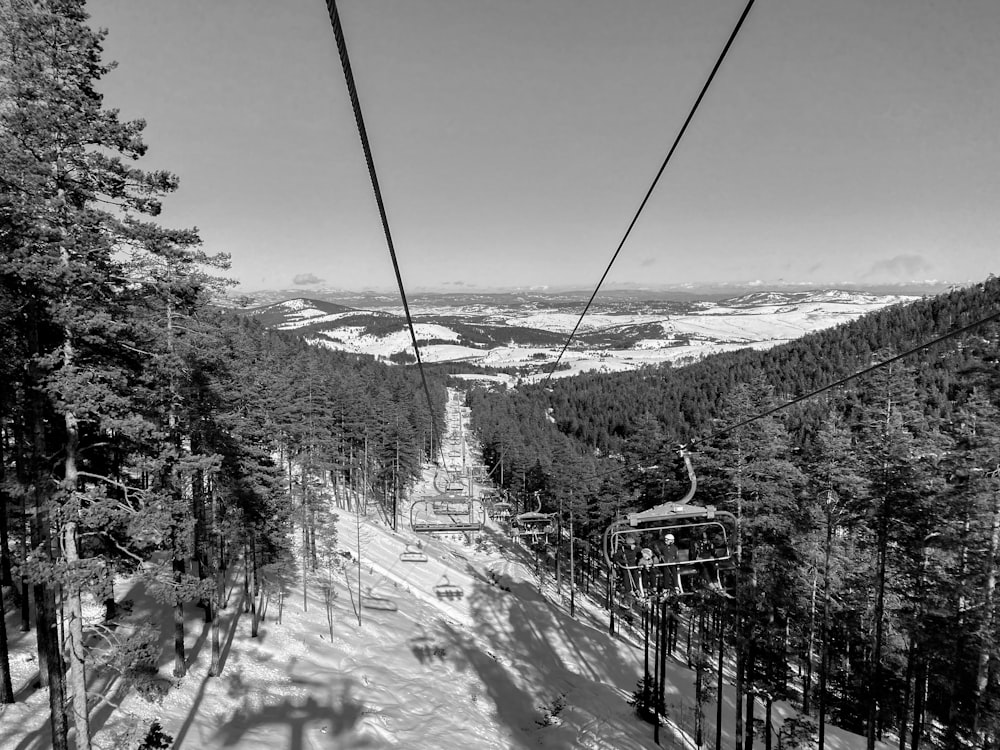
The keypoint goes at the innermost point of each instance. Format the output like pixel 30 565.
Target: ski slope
pixel 467 649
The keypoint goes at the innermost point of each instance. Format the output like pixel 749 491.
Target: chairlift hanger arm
pixel 672 508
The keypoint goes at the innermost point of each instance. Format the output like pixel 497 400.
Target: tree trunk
pixel 720 681
pixel 750 674
pixel 77 649
pixel 180 659
pixel 50 660
pixel 824 656
pixel 202 554
pixel 874 675
pixel 810 646
pixel 41 538
pixel 219 592
pixel 952 701
pixel 699 679
pixel 919 697
pixel 6 579
pixel 74 607
pixel 769 703
pixel 740 687
pixel 25 599
pixel 252 587
pixel 989 626
pixel 246 579
pixel 50 665
pixel 6 688
pixel 903 718
pixel 24 480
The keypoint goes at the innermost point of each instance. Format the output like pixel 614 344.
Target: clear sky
pixel 842 140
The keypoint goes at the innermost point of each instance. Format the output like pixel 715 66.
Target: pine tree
pixel 896 442
pixel 749 472
pixel 69 186
pixel 834 485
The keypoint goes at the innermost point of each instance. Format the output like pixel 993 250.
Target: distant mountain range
pixel 715 291
pixel 521 333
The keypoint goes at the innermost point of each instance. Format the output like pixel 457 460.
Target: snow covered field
pixel 625 337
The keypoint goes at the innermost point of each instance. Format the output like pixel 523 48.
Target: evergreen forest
pixel 145 431
pixel 868 512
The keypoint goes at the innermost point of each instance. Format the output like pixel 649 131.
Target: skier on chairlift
pixel 627 558
pixel 704 551
pixel 666 550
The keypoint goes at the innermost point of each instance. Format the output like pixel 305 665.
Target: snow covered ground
pixel 466 649
pixel 760 321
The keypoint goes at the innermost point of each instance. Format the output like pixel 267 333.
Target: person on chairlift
pixel 648 574
pixel 705 550
pixel 628 553
pixel 627 557
pixel 666 550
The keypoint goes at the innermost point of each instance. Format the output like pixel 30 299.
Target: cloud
pixel 304 279
pixel 647 262
pixel 901 267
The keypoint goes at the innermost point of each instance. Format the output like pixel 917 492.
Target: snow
pixel 299 304
pixel 469 649
pixel 312 316
pixel 448 353
pixel 355 339
pixel 757 320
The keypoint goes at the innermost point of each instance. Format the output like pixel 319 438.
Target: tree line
pixel 147 435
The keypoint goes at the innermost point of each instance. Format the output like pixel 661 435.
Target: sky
pixel 841 142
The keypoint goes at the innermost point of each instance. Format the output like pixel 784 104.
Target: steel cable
pixel 345 62
pixel 656 179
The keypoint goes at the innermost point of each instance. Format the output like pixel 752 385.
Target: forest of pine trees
pixel 869 515
pixel 144 432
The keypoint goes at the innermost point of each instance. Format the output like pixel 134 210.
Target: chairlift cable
pixel 656 179
pixel 345 62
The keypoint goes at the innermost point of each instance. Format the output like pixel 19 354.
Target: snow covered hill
pixel 527 332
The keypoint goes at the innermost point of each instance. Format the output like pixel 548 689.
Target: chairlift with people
pixel 533 525
pixel 673 549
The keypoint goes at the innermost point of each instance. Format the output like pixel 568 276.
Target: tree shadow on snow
pixel 536 656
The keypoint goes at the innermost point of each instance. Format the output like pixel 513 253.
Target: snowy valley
pixel 525 333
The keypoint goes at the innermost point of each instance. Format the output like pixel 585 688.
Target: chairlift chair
pixel 533 526
pixel 502 511
pixel 413 554
pixel 449 505
pixel 636 550
pixel 424 519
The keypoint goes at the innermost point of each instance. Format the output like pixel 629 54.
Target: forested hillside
pixel 868 516
pixel 142 431
pixel 602 410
